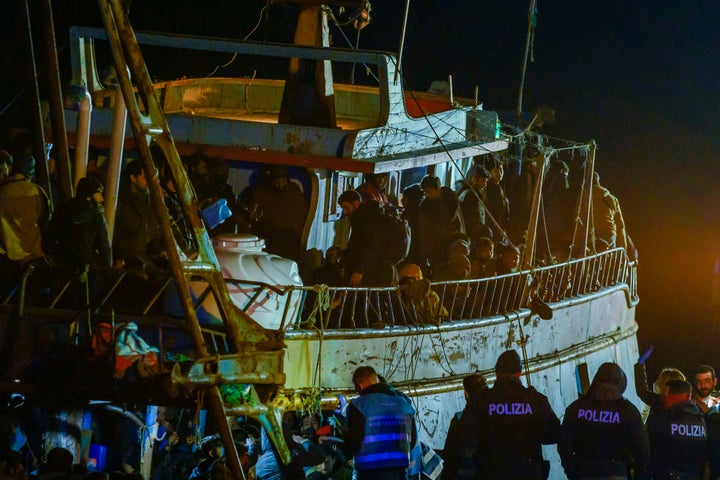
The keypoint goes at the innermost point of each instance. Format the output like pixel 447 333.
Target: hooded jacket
pixel 602 432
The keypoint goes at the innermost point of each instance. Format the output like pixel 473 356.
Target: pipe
pixel 82 137
pixel 117 144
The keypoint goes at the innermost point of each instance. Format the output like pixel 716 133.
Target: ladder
pixel 256 360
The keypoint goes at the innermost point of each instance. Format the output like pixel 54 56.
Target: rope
pixel 322 304
pixel 522 342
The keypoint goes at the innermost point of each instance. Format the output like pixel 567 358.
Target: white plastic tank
pixel 241 257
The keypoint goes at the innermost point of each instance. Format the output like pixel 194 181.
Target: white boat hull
pixel 428 362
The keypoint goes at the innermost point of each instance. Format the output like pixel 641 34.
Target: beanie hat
pixel 87 187
pixel 508 363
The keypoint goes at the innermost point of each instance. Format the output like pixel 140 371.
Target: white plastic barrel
pixel 241 257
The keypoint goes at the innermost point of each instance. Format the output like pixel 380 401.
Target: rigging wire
pixel 368 70
pixel 257 25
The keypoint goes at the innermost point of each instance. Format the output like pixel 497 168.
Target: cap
pixel 87 187
pixel 410 270
pixel 508 363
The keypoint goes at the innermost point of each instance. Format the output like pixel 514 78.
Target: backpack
pixel 394 237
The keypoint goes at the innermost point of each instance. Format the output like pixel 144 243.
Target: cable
pixel 257 25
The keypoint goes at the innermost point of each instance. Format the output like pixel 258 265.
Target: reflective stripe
pixel 387 437
pixel 379 457
pixel 388 431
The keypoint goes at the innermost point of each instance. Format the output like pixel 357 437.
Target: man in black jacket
pixel 441 221
pixel 515 421
pixel 365 258
pixel 77 235
pixel 678 435
pixel 602 435
pixel 461 441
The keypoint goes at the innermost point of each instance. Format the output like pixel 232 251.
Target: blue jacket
pixel 382 428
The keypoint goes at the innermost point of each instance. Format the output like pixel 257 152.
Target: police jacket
pixel 515 421
pixel 381 428
pixel 678 442
pixel 602 433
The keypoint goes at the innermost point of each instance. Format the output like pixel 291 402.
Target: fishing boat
pixel 295 345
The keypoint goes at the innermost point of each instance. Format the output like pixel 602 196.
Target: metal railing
pixel 320 306
pixel 432 303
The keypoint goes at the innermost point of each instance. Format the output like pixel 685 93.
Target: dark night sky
pixel 641 78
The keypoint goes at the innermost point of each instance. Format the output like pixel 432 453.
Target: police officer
pixel 678 435
pixel 382 431
pixel 461 441
pixel 602 434
pixel 515 421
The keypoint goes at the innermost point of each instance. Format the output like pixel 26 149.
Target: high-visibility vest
pixel 388 431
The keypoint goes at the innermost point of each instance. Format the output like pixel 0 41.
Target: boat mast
pixel 528 41
pixel 314 106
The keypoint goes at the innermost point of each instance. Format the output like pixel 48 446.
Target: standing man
pixel 473 210
pixel 280 211
pixel 365 256
pixel 515 421
pixel 607 218
pixel 495 199
pixel 381 428
pixel 678 435
pixel 602 434
pixel 461 441
pixel 440 221
pixel 705 383
pixel 77 235
pixel 23 213
pixel 136 225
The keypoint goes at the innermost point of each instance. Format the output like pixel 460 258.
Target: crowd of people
pixel 499 434
pixel 602 434
pixel 448 234
pixel 461 234
pixel 73 238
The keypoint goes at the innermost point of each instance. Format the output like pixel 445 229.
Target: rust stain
pixel 456 356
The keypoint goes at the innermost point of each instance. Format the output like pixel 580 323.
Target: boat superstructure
pixel 323 333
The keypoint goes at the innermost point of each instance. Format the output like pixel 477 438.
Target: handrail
pixel 351 307
pixel 465 299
